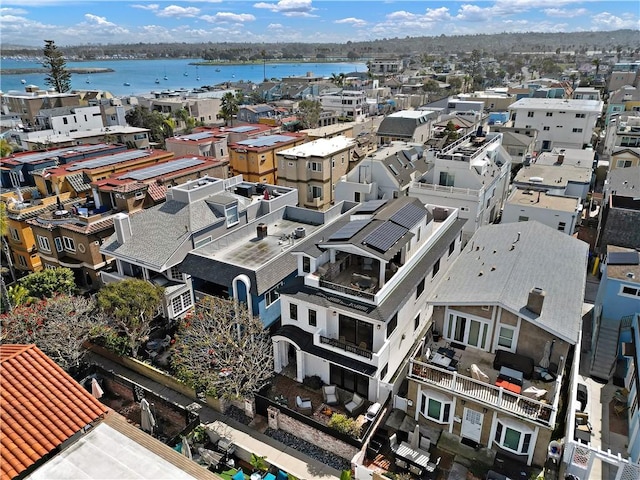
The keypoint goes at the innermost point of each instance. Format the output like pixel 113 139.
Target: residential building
pixel 132 137
pixel 63 120
pixel 620 209
pixel 503 303
pixel 623 73
pixel 555 211
pixel 314 168
pixel 492 100
pixel 350 104
pixel 564 172
pixel 631 350
pixel 254 113
pixel 559 122
pixel 255 158
pixel 385 173
pixel 358 307
pixel 28 104
pixel 617 301
pixel 140 188
pixel 518 143
pixel 54 427
pixel 43 408
pixel 586 93
pixel 385 66
pixel 407 126
pixel 202 107
pixel 626 98
pixel 471 175
pixel 72 238
pixel 21 207
pixel 345 129
pixel 622 131
pixel 253 263
pixel 208 143
pixel 76 176
pixel 152 243
pixel 17 169
pixel 625 157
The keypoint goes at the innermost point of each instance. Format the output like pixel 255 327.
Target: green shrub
pixel 344 424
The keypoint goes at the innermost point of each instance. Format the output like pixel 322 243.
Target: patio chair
pixel 330 394
pixel 355 406
pixel 400 463
pixel 303 405
pixel 415 470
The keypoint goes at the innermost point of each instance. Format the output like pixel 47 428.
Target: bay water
pixel 130 77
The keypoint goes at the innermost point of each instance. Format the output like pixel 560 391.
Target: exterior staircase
pixel 604 359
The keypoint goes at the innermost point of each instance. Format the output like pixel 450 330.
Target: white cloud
pixel 275 26
pixel 228 17
pixel 152 7
pixel 289 8
pixel 178 12
pixel 608 21
pixel 356 22
pixel 12 11
pixel 102 21
pixel 565 12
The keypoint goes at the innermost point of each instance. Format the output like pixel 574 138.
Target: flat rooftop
pixel 540 199
pixel 247 250
pixel 623 262
pixel 321 147
pixel 555 176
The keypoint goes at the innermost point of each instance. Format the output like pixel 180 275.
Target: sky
pixel 75 22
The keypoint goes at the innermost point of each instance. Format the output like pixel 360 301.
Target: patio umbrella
pixel 147 421
pixel 415 438
pixel 186 448
pixel 478 374
pixel 96 390
pixel 546 356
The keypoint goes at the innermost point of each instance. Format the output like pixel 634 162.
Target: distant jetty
pixel 74 70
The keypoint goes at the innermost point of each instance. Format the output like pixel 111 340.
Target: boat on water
pixel 185 74
pixel 23 81
pixel 217 69
pixel 157 80
pixel 88 80
pixel 166 78
pixel 126 84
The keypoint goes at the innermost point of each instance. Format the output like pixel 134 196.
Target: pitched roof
pixel 502 263
pixel 41 407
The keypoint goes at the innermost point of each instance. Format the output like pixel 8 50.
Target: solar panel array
pixel 162 169
pixel 349 230
pixel 385 236
pixel 197 136
pixel 408 216
pixel 265 141
pixel 242 129
pixel 108 160
pixel 36 156
pixel 623 258
pixel 370 206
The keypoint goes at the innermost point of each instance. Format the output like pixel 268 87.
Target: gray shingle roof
pixel 397 127
pixel 624 181
pixel 158 232
pixel 542 257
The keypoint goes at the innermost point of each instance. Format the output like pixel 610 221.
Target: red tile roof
pixel 41 406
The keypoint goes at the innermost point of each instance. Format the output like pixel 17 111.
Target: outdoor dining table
pixel 441 360
pixel 415 456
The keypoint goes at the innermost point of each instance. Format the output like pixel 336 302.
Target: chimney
pixel 560 158
pixel 261 230
pixel 122 225
pixel 535 300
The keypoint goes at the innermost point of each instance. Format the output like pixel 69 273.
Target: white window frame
pixel 502 425
pixel 628 294
pixel 175 274
pixel 445 413
pixel 315 166
pixel 232 216
pixel 514 337
pixel 484 329
pixel 15 234
pixel 202 242
pixel 69 244
pixel 20 260
pixel 181 303
pixel 316 192
pixel 622 163
pixel 44 244
pixel 58 242
pixel 272 295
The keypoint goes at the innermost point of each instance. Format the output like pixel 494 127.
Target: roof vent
pixel 630 275
pixel 536 300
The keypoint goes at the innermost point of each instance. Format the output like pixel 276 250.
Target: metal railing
pixel 347 347
pixel 348 290
pixel 479 391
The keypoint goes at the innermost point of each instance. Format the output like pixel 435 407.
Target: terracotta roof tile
pixel 157 192
pixel 41 406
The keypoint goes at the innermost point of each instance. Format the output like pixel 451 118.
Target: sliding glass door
pixel 468 331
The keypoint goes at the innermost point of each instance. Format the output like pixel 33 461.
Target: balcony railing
pixel 348 290
pixel 479 391
pixel 347 347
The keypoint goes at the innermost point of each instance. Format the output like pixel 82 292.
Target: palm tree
pixel 229 107
pixel 596 62
pixel 5 148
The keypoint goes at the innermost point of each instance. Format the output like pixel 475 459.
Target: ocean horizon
pixel 145 76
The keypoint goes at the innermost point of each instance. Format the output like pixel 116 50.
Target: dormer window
pixel 231 213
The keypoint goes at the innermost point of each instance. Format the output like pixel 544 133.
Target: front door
pixel 472 425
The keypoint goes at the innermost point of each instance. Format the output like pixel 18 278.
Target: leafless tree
pixel 59 326
pixel 223 349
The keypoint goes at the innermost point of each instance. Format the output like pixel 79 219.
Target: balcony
pixel 347 347
pixel 463 385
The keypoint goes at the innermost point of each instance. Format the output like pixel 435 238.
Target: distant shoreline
pixel 72 70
